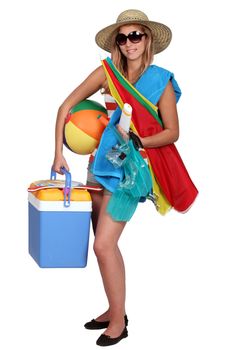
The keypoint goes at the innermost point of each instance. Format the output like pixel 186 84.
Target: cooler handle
pixel 67 188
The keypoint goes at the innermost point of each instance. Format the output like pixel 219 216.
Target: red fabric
pixel 166 162
pixel 111 106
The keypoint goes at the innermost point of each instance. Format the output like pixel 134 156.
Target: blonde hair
pixel 120 60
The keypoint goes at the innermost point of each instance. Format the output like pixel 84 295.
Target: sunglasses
pixel 134 37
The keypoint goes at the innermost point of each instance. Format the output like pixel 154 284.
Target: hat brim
pixel 161 35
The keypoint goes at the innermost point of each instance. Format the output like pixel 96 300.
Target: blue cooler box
pixel 59 234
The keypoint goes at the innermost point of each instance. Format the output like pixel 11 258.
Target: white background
pixel 179 267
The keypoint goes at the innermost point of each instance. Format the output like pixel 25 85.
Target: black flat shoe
pixel 93 324
pixel 106 340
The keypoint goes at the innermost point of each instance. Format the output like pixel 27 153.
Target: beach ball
pixel 84 126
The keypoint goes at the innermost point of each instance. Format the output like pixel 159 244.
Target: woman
pixel 132 40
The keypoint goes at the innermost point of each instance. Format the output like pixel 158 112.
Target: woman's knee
pixel 102 249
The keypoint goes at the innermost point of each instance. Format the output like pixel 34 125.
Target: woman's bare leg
pixel 111 267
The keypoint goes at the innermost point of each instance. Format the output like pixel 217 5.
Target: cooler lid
pixel 55 201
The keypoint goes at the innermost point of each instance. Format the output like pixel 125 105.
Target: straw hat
pixel 161 33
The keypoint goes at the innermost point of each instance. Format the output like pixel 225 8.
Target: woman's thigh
pixel 108 231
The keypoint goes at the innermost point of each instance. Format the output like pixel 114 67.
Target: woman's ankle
pixel 103 317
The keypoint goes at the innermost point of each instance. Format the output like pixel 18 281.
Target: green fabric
pixel 136 183
pixel 133 92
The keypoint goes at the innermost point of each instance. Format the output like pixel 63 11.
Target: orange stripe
pixel 88 122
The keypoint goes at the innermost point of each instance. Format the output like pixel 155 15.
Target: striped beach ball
pixel 84 126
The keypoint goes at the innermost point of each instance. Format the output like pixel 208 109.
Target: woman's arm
pixel 168 111
pixel 87 88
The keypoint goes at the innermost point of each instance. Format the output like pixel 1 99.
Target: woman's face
pixel 132 51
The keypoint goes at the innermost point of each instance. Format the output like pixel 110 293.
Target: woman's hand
pixel 58 163
pixel 137 142
pixel 123 133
